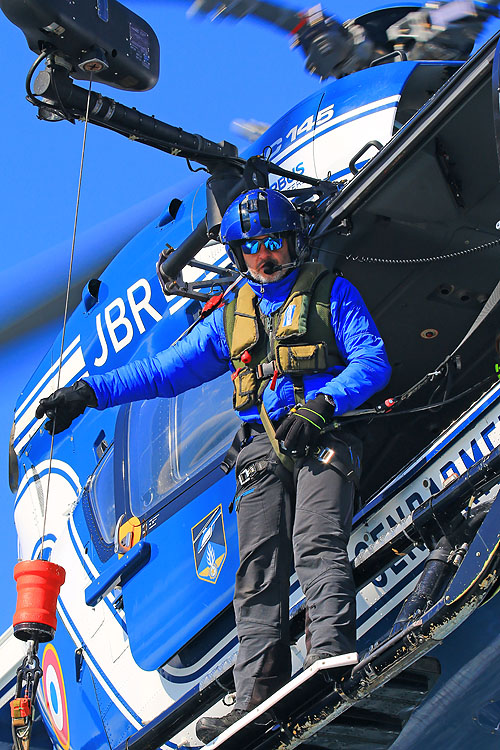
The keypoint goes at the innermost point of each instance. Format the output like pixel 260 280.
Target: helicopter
pixel 146 639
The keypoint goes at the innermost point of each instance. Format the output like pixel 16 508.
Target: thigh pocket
pixel 235 502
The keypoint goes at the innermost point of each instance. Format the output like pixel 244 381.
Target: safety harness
pixel 296 340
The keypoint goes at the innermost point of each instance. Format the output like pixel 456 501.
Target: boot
pixel 209 727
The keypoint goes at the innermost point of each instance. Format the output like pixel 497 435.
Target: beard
pixel 268 278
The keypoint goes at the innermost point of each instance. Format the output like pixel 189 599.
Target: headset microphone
pixel 270 267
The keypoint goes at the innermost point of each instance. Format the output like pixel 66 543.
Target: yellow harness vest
pixel 296 340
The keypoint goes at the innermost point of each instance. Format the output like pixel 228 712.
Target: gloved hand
pixel 302 428
pixel 64 405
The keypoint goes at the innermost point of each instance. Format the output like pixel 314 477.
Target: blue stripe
pixel 47 538
pixel 98 668
pixel 8 687
pixel 316 136
pixel 405 477
pixel 31 423
pixel 55 470
pixel 79 554
pixel 92 577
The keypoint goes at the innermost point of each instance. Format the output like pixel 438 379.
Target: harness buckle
pixel 325 455
pixel 247 474
pixel 266 370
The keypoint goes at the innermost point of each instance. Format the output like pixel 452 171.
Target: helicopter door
pixel 177 499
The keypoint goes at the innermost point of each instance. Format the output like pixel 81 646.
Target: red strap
pixel 299 26
pixel 211 304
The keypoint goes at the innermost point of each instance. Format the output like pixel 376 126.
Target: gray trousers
pixel 310 524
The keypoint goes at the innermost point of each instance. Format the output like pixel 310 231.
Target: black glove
pixel 302 428
pixel 64 405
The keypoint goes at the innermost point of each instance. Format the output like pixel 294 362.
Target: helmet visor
pixel 272 242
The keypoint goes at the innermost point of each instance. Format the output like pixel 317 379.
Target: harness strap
pixel 325 456
pixel 239 440
pixel 286 461
pixel 251 471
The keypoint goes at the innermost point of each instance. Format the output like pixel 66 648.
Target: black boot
pixel 209 727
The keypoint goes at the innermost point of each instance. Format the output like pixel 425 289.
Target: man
pixel 302 348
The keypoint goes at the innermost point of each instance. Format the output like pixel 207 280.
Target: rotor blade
pixel 284 18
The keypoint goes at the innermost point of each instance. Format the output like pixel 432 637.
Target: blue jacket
pixel 204 355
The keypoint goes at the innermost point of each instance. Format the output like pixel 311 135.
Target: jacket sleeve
pixel 200 356
pixel 360 345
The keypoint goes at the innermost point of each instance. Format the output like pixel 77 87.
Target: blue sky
pixel 210 74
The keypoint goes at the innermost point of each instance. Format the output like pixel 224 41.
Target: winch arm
pixel 63 96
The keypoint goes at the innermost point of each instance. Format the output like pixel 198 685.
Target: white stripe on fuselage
pixel 54 367
pixel 73 367
pixel 352 114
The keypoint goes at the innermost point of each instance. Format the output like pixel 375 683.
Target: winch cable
pixel 29 673
pixel 66 304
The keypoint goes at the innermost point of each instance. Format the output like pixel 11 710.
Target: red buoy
pixel 38 586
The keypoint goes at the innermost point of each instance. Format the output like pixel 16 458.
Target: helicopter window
pixel 171 440
pixel 199 440
pixel 102 496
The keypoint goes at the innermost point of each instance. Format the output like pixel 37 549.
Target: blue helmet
pixel 261 212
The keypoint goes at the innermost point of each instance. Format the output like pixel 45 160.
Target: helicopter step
pixel 374 722
pixel 373 700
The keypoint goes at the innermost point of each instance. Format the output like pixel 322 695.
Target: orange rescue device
pixel 38 586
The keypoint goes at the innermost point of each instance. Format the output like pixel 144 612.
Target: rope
pixel 66 305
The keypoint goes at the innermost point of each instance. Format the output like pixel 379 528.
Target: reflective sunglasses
pixel 273 242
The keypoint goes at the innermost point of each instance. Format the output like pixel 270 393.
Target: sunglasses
pixel 273 242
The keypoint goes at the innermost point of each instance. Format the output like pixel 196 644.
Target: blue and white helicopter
pixel 396 164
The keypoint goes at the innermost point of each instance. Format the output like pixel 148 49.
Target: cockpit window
pixel 102 496
pixel 171 440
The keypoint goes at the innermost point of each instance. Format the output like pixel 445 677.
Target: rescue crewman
pixel 302 348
